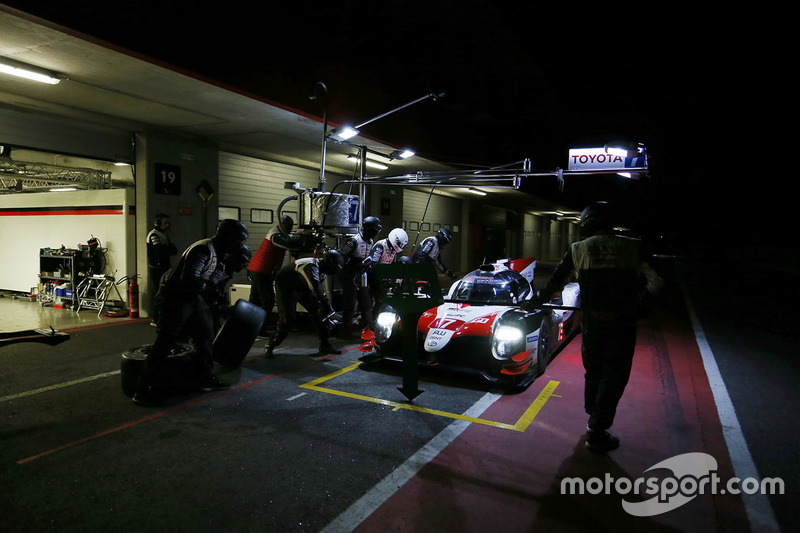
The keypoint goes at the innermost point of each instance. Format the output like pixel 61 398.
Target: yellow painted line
pixel 521 425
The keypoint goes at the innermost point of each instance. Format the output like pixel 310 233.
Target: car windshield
pixel 502 288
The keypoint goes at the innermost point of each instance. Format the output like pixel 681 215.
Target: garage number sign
pixel 167 179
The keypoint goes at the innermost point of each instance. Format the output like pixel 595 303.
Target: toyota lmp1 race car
pixel 483 326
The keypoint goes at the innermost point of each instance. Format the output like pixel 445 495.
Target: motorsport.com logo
pixel 693 474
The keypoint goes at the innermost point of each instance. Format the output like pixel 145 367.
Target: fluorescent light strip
pixel 370 163
pixel 28 74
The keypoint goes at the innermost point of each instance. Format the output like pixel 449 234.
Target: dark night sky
pixel 701 86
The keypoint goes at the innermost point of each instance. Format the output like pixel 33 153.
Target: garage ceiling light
pixel 343 133
pixel 21 70
pixel 405 153
pixel 370 162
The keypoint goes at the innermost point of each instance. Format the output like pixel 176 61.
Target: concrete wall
pixel 197 162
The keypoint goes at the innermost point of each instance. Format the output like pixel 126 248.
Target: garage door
pixel 254 188
pixel 442 211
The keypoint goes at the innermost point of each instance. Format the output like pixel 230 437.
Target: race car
pixel 487 326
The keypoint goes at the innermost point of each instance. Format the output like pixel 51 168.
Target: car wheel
pixel 543 350
pixel 179 368
pixel 238 333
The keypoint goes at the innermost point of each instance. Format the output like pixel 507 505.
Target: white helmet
pixel 398 238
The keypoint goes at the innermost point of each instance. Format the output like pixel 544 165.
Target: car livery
pixel 483 326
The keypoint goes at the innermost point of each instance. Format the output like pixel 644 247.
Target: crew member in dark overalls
pixel 159 251
pixel 354 286
pixel 614 280
pixel 430 250
pixel 182 302
pixel 302 283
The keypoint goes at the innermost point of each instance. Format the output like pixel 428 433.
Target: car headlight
pixel 507 341
pixel 384 325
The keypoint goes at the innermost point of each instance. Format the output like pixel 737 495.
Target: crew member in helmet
pixel 353 277
pixel 267 261
pixel 159 251
pixel 303 282
pixel 429 251
pixel 384 252
pixel 614 280
pixel 182 303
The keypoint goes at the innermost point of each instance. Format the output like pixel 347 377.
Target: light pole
pixel 343 133
pixel 324 101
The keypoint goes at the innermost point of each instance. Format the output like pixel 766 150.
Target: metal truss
pixel 21 176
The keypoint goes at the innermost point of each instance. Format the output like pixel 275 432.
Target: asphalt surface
pixel 300 440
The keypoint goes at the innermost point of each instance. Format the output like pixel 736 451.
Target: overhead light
pixel 64 189
pixel 29 72
pixel 370 163
pixel 343 133
pixel 479 192
pixel 404 153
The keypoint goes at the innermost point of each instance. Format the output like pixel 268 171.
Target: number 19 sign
pixel 168 179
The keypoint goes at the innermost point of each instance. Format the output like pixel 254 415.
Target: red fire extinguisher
pixel 133 297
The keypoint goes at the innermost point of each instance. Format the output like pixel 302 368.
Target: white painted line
pixel 372 500
pixel 296 396
pixel 57 386
pixel 759 511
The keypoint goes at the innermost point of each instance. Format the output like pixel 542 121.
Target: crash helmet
pixel 285 224
pixel 240 258
pixel 159 219
pixel 332 262
pixel 230 235
pixel 398 238
pixel 595 217
pixel 405 260
pixel 371 227
pixel 444 235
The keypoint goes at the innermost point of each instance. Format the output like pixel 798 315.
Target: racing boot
pixel 269 349
pixel 147 394
pixel 325 347
pixel 600 440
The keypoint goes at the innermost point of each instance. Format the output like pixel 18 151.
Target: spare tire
pixel 180 368
pixel 238 333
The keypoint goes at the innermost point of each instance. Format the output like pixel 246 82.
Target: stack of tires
pixel 231 346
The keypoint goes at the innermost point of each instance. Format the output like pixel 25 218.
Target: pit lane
pixel 305 443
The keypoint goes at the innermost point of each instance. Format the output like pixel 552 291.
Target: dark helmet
pixel 371 227
pixel 285 223
pixel 332 262
pixel 405 260
pixel 231 234
pixel 240 259
pixel 444 236
pixel 595 217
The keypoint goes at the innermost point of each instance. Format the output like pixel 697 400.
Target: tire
pixel 543 349
pixel 238 333
pixel 180 367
